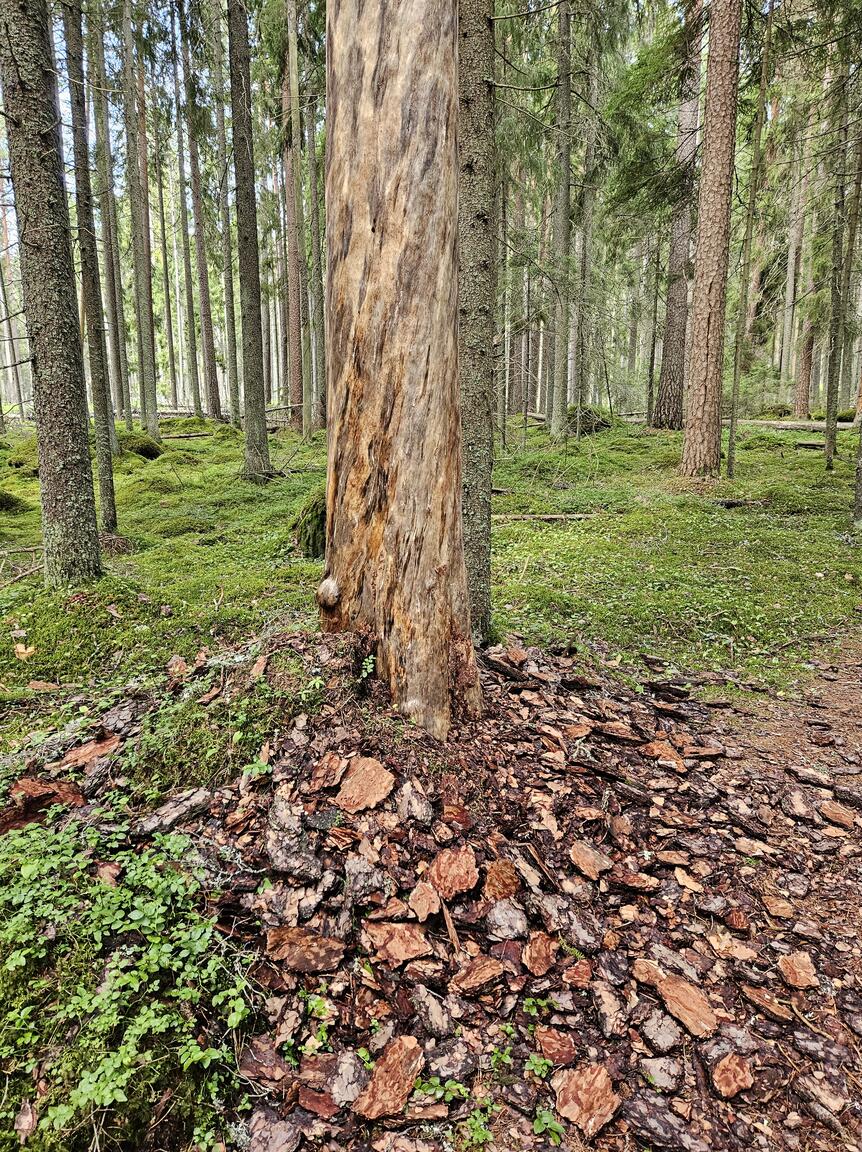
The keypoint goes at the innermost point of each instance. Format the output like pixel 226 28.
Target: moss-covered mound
pixel 310 524
pixel 12 505
pixel 139 443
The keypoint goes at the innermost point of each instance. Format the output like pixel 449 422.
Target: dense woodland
pixel 430 497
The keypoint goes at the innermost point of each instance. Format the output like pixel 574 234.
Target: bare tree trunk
pixel 11 327
pixel 848 277
pixel 394 552
pixel 583 297
pixel 204 301
pixel 32 115
pixel 753 185
pixel 317 313
pixel 653 335
pixel 224 212
pixel 140 233
pixel 562 220
pixel 92 288
pixel 191 337
pixel 701 454
pixel 671 385
pixel 294 307
pixel 477 287
pixel 257 467
pixel 295 130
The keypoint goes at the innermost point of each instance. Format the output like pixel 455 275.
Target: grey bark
pixel 69 528
pixel 562 221
pixel 257 467
pixel 317 311
pixel 91 283
pixel 477 287
pixel 224 212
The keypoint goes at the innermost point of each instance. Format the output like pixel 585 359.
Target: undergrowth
pixel 119 997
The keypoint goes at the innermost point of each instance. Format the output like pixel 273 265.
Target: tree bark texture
pixel 667 412
pixel 32 116
pixel 204 300
pixel 836 277
pixel 91 283
pixel 294 292
pixel 701 454
pixel 318 329
pixel 562 221
pixel 166 281
pixel 257 467
pixel 191 334
pixel 477 287
pixel 224 213
pixel 394 551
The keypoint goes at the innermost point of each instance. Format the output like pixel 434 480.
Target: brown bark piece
pixel 585 1095
pixel 477 974
pixel 454 871
pixel 392 1081
pixel 501 880
pixel 303 951
pixel 557 1046
pixel 837 814
pixel 767 1003
pixel 366 785
pixel 539 953
pixel 397 943
pixel 798 970
pixel 589 860
pixel 424 901
pixel 688 1004
pixel 732 1074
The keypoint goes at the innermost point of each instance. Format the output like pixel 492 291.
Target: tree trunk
pixel 562 220
pixel 477 286
pixel 848 277
pixel 295 130
pixel 836 280
pixel 15 351
pixel 116 321
pixel 581 362
pixel 140 231
pixel 204 300
pixel 653 334
pixel 166 281
pixel 294 307
pixel 739 340
pixel 257 467
pixel 701 454
pixel 148 397
pixel 795 233
pixel 671 384
pixel 224 212
pixel 394 552
pixel 91 284
pixel 317 315
pixel 32 115
pixel 191 330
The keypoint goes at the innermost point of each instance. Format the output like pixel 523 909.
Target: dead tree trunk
pixel 394 552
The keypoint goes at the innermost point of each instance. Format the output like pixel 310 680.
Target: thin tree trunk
pixel 671 386
pixel 581 366
pixel 32 114
pixel 166 281
pixel 257 467
pixel 477 286
pixel 140 231
pixel 317 314
pixel 147 399
pixel 795 233
pixel 91 285
pixel 702 444
pixel 204 300
pixel 224 212
pixel 11 331
pixel 848 276
pixel 653 334
pixel 836 280
pixel 191 336
pixel 295 130
pixel 562 220
pixel 105 166
pixel 394 552
pixel 753 186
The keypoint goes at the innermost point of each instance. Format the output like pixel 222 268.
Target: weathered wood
pixel 394 550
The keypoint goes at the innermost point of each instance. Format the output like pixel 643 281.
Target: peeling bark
pixel 394 552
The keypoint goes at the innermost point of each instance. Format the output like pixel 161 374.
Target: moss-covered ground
pixel 655 566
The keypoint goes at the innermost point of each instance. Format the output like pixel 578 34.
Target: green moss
pixel 23 457
pixel 182 526
pixel 310 524
pixel 12 505
pixel 140 443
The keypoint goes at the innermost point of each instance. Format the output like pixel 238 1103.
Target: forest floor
pixel 241 900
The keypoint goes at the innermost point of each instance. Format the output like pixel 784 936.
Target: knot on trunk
pixel 328 594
